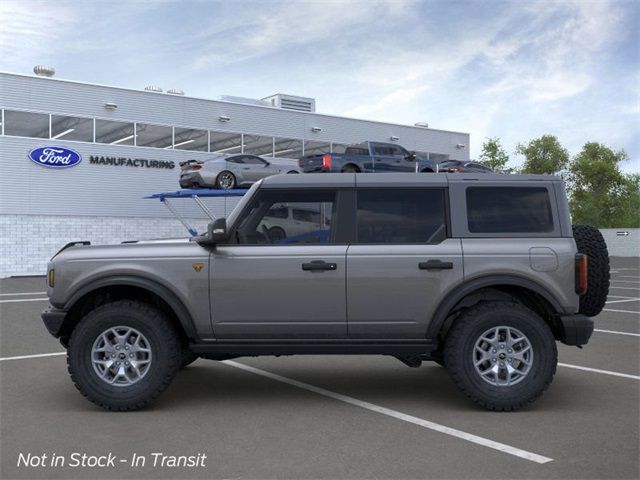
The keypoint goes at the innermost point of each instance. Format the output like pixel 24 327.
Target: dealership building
pixel 127 144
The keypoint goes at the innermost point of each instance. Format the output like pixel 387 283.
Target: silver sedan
pixel 227 172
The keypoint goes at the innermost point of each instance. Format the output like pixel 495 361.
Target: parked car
pixel 369 157
pixel 459 166
pixel 480 273
pixel 228 172
pixel 284 223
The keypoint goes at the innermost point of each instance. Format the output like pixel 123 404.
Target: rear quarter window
pixel 509 210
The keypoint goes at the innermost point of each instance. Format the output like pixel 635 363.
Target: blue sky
pixel 515 70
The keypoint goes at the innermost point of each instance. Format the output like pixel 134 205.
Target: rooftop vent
pixel 44 71
pixel 153 88
pixel 175 91
pixel 291 102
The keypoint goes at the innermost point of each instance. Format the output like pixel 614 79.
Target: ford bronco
pixel 481 273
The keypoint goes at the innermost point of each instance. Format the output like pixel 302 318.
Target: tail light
pixel 299 163
pixel 582 270
pixel 326 161
pixel 454 170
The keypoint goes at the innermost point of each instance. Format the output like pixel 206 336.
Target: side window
pixel 252 160
pixel 509 210
pixel 267 220
pixel 383 150
pixel 239 159
pixel 398 151
pixel 401 216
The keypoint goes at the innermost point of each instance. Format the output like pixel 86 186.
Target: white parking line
pixel 22 293
pixel 596 370
pixel 485 442
pixel 39 355
pixel 616 332
pixel 25 300
pixel 622 301
pixel 620 311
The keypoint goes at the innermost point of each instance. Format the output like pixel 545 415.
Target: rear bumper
pixel 575 329
pixel 191 179
pixel 54 319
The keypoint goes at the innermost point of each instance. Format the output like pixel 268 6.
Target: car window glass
pixel 267 221
pixel 401 216
pixel 509 209
pixel 249 159
pixel 235 159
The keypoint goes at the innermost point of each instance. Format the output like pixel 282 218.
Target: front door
pixel 401 263
pixel 280 279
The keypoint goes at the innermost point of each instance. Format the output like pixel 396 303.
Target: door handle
pixel 319 266
pixel 435 265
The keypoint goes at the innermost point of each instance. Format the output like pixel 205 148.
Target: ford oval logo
pixel 55 157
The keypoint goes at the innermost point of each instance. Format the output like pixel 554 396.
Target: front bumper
pixel 53 319
pixel 575 329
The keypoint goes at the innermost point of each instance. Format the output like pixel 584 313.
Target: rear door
pixel 402 262
pixel 255 168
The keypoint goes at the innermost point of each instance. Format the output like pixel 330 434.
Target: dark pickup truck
pixel 368 157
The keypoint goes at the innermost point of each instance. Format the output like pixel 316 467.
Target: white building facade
pixel 129 144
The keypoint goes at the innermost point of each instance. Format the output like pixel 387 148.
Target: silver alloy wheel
pixel 502 356
pixel 226 180
pixel 121 356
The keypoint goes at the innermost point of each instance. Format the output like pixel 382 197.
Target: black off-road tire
pixel 188 357
pixel 589 241
pixel 165 346
pixel 460 344
pixel 350 169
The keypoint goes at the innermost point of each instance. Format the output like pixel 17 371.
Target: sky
pixel 509 69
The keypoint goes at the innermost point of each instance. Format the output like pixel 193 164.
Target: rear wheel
pixel 225 180
pixel 590 242
pixel 350 169
pixel 292 172
pixel 501 355
pixel 123 354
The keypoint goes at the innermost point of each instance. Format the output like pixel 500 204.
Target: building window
pixel 157 136
pixel 316 148
pixel 71 128
pixel 401 216
pixel 190 139
pixel 287 148
pixel 225 143
pixel 115 133
pixel 509 210
pixel 258 145
pixel 26 124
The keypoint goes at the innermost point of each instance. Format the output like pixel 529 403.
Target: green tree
pixel 601 195
pixel 494 156
pixel 543 155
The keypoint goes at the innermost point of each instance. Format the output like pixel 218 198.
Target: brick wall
pixel 27 242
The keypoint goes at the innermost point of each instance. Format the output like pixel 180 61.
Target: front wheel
pixel 123 354
pixel 501 355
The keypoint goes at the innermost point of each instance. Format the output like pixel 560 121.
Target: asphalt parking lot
pixel 326 417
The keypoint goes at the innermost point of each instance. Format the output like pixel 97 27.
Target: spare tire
pixel 589 241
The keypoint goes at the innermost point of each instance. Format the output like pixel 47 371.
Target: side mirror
pixel 216 233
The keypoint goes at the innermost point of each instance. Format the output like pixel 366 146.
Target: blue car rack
pixel 196 195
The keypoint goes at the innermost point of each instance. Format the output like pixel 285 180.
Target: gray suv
pixel 481 273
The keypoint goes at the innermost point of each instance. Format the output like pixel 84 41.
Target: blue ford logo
pixel 55 157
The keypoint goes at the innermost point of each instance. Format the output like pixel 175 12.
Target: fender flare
pixel 464 289
pixel 178 307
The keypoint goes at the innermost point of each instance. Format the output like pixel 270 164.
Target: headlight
pixel 51 276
